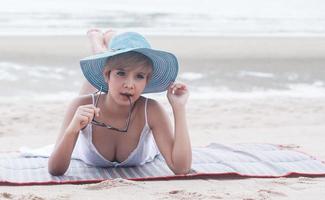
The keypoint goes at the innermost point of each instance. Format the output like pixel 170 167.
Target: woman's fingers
pixel 86 117
pixel 91 109
pixel 175 87
pixel 86 113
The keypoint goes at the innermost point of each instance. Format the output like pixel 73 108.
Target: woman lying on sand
pixel 116 126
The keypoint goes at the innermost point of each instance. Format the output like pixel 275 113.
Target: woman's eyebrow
pixel 139 71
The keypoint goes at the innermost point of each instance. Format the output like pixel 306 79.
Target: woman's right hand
pixel 82 117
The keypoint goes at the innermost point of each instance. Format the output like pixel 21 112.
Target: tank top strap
pixel 93 98
pixel 145 111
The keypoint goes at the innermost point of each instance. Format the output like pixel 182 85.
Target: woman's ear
pixel 106 74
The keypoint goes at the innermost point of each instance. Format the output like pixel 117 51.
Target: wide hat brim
pixel 165 68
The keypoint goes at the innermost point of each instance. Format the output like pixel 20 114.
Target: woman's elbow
pixel 182 170
pixel 55 170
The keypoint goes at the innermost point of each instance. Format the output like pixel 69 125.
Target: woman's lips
pixel 127 95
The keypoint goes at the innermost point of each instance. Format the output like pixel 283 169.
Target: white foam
pixel 315 89
pixel 303 91
pixel 293 77
pixel 10 65
pixel 319 83
pixel 256 74
pixel 34 73
pixel 62 96
pixel 190 76
pixel 13 71
pixel 6 76
pixel 294 91
pixel 7 71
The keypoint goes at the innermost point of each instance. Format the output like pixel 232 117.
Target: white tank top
pixel 146 150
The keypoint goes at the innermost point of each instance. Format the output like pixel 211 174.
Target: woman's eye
pixel 140 76
pixel 120 73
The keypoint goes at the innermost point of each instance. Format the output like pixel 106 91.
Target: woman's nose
pixel 129 83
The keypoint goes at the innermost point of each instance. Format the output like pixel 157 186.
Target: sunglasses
pixel 102 124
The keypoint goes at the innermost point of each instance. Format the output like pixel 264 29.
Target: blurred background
pixel 167 17
pixel 226 48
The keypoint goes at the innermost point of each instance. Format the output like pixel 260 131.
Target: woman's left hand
pixel 177 94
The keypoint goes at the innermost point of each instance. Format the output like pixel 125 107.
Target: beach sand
pixel 295 122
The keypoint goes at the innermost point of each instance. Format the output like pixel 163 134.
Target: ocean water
pixel 52 83
pixel 164 17
pixel 168 17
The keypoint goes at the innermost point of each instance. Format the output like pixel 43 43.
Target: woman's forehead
pixel 135 68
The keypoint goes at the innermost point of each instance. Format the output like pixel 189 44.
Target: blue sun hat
pixel 165 65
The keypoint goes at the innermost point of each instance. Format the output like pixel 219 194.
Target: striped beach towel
pixel 215 160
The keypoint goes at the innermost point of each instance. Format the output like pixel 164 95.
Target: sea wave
pixel 168 17
pixel 60 82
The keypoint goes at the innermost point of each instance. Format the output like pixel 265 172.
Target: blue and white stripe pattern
pixel 165 64
pixel 249 160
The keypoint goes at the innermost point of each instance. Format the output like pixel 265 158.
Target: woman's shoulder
pixel 152 104
pixel 155 111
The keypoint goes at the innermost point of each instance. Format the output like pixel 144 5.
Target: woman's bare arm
pixel 175 144
pixel 77 117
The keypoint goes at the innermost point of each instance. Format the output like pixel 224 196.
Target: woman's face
pixel 129 81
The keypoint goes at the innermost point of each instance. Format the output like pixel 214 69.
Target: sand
pixel 295 122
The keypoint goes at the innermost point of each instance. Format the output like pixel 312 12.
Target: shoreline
pixel 252 47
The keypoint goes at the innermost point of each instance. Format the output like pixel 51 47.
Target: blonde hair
pixel 129 59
